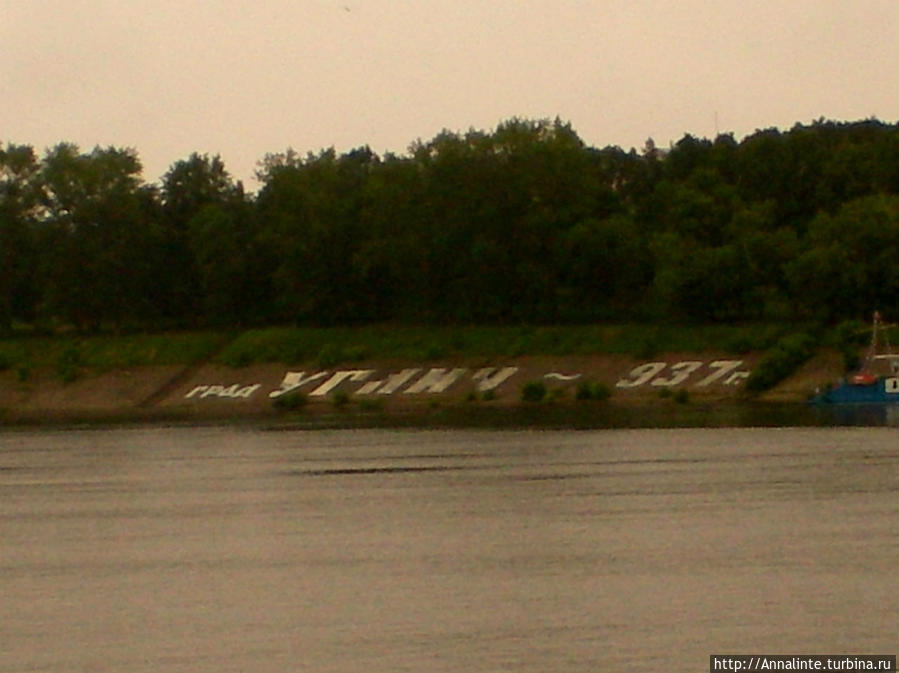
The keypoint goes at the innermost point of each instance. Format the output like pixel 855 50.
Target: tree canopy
pixel 521 224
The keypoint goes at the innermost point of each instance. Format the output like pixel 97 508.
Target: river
pixel 246 550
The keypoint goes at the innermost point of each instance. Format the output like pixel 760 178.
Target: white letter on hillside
pixel 722 368
pixel 435 381
pixel 488 380
pixel 293 380
pixel 390 385
pixel 339 377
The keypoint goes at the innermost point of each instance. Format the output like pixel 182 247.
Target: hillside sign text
pixel 425 381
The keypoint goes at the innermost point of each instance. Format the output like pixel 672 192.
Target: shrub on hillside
pixel 291 401
pixel 781 361
pixel 340 398
pixel 849 336
pixel 68 363
pixel 597 390
pixel 330 355
pixel 533 391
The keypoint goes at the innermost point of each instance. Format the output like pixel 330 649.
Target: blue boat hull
pixel 883 391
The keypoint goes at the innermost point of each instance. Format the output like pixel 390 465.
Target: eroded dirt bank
pixel 400 389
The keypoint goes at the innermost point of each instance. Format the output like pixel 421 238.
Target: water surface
pixel 175 549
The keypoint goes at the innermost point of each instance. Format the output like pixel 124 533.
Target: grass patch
pixel 329 347
pixel 332 347
pixel 104 352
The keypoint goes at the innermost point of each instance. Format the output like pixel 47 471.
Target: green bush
pixel 601 391
pixel 533 391
pixel 434 351
pixel 848 338
pixel 356 353
pixel 340 398
pixel 588 390
pixel 68 363
pixel 23 372
pixel 237 358
pixel 781 361
pixel 291 401
pixel 330 355
pixel 556 393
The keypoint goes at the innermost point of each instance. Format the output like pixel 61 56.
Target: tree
pixel 97 233
pixel 848 266
pixel 312 214
pixel 232 272
pixel 188 187
pixel 194 183
pixel 605 268
pixel 19 194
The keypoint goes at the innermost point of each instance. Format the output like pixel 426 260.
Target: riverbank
pixel 683 389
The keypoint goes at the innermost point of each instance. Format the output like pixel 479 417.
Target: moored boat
pixel 876 382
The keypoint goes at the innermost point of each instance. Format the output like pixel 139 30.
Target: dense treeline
pixel 522 224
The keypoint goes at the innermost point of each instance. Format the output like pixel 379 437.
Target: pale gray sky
pixel 242 78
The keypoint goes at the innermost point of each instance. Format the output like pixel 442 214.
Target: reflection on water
pixel 620 550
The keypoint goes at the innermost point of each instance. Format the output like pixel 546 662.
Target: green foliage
pixel 533 391
pixel 293 401
pixel 23 372
pixel 340 398
pixel 848 337
pixel 554 394
pixel 356 353
pixel 519 225
pixel 646 346
pixel 179 348
pixel 330 355
pixel 69 363
pixel 104 352
pixel 781 361
pixel 434 352
pixel 593 390
pixel 238 358
pixel 849 260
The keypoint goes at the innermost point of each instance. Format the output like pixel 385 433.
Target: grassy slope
pixel 330 346
pixel 105 352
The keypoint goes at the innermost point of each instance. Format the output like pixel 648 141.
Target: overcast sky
pixel 245 78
